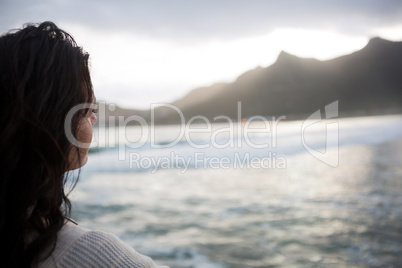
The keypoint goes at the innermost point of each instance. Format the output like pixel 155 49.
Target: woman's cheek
pixel 85 131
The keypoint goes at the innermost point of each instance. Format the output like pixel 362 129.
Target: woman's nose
pixel 93 119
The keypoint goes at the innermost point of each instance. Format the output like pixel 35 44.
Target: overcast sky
pixel 156 51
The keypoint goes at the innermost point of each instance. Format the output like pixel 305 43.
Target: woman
pixel 43 75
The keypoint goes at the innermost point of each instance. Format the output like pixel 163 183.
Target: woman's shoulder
pixel 80 247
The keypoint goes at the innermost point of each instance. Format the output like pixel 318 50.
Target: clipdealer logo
pixel 237 131
pixel 329 157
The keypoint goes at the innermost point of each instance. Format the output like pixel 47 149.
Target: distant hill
pixel 368 81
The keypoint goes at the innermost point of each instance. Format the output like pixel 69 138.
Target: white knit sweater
pixel 79 247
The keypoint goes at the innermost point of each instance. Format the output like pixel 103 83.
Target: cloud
pixel 146 51
pixel 207 19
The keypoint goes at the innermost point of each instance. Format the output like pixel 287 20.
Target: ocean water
pixel 322 195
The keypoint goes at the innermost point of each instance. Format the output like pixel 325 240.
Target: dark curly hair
pixel 43 74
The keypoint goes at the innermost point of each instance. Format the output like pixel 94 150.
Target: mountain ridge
pixel 368 80
pixel 363 80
